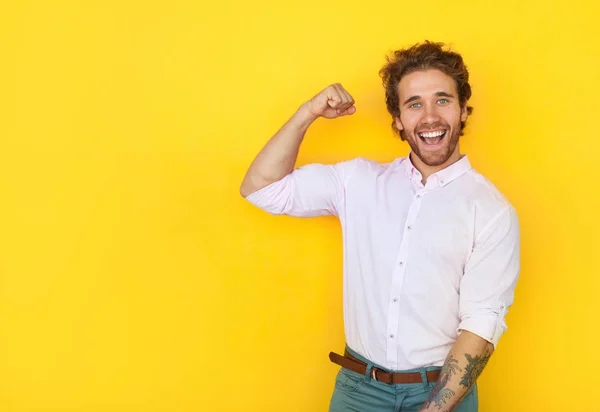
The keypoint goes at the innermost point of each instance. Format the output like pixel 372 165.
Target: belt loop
pixel 423 372
pixel 368 370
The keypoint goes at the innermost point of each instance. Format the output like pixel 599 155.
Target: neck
pixel 427 170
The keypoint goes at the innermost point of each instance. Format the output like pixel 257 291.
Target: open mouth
pixel 433 137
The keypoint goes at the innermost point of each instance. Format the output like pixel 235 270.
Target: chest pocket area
pixel 436 259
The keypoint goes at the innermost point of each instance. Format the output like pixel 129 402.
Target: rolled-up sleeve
pixel 308 191
pixel 490 277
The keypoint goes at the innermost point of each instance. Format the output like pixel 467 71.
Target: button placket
pixel 398 279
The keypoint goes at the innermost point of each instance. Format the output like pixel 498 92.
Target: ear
pixel 398 123
pixel 463 114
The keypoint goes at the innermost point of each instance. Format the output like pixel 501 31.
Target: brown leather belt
pixel 350 362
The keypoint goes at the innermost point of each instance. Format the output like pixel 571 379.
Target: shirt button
pixel 400 264
pixel 408 227
pixel 441 182
pixel 391 336
pixel 418 196
pixel 395 300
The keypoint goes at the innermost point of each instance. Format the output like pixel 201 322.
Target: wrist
pixel 305 114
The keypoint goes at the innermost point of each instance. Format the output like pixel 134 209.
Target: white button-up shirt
pixel 421 262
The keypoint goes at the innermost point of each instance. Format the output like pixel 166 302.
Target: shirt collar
pixel 442 177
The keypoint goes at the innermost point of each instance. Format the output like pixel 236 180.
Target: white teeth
pixel 432 134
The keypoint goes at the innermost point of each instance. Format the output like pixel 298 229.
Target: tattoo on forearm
pixel 474 368
pixel 441 398
pixel 440 394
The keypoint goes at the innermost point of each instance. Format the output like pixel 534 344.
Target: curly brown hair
pixel 423 56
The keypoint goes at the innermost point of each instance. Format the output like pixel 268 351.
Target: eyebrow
pixel 440 94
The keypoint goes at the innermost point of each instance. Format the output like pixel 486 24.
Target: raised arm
pixel 278 157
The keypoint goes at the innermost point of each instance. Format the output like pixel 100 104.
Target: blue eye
pixel 443 101
pixel 415 105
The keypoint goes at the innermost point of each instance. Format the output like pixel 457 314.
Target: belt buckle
pixel 374 376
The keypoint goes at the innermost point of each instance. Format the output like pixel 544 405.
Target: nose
pixel 430 114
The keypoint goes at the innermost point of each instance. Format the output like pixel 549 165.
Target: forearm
pixel 465 362
pixel 278 157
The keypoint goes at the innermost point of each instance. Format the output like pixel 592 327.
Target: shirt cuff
pixel 272 198
pixel 489 325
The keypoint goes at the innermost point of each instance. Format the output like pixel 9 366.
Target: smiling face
pixel 430 118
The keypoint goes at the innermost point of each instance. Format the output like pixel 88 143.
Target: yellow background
pixel 135 278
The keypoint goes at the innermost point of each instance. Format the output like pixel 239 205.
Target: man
pixel 431 248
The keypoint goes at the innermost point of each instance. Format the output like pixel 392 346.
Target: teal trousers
pixel 354 392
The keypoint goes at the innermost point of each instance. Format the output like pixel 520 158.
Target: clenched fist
pixel 333 101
